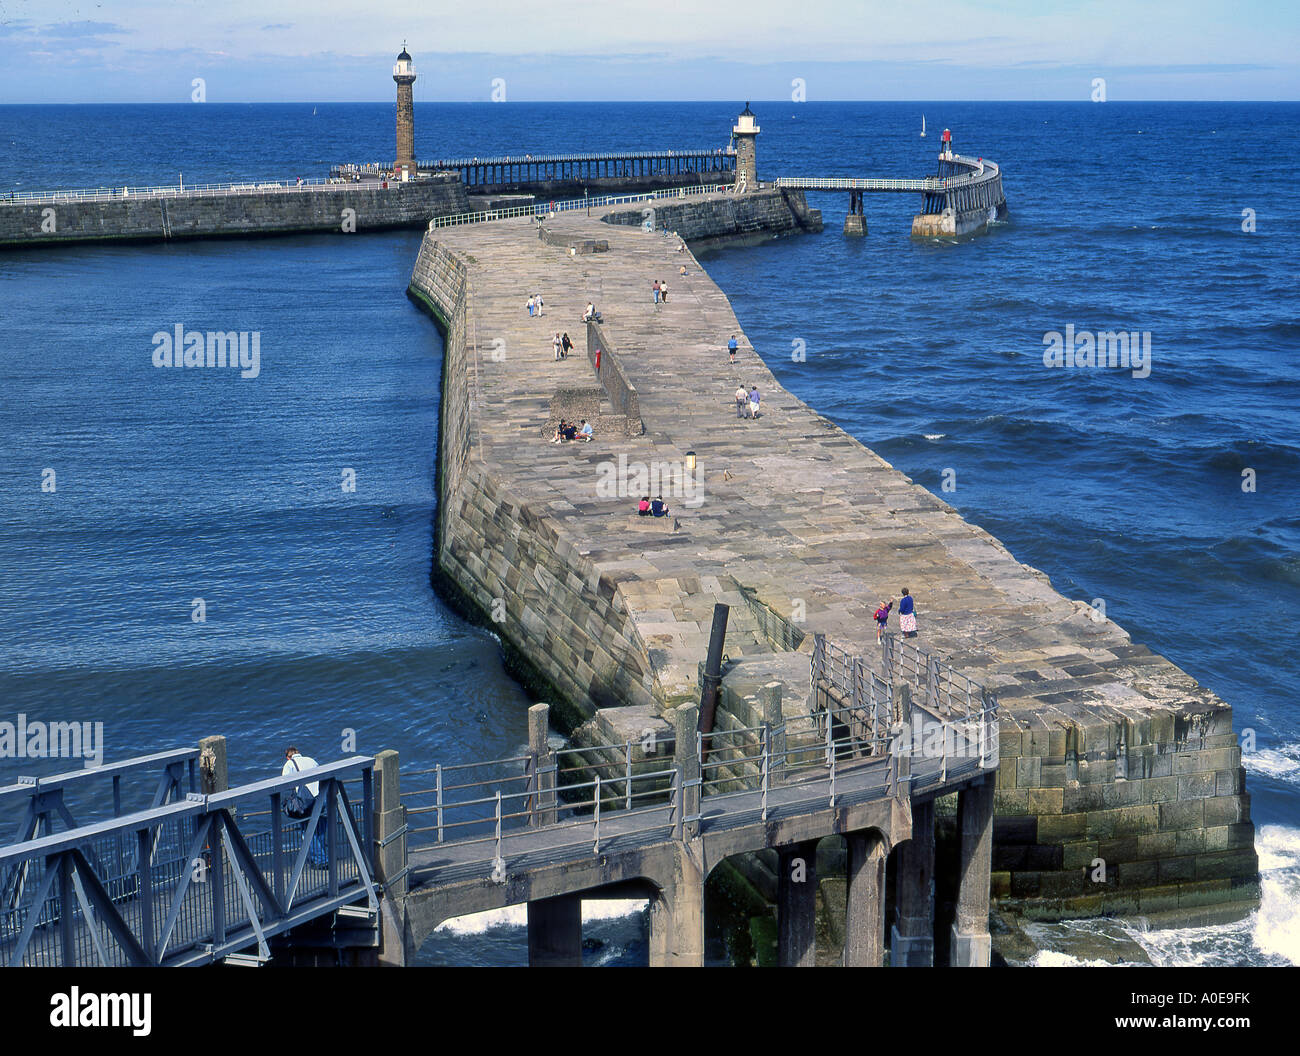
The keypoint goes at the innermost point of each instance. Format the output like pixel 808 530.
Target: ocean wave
pixel 1057 959
pixel 1269 935
pixel 1280 763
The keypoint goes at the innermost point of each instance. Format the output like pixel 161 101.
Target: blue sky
pixel 76 51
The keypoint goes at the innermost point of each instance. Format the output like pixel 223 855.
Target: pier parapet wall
pixel 339 208
pixel 763 214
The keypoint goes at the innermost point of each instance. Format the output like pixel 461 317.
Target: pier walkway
pixel 1107 749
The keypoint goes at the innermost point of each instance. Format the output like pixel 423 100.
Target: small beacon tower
pixel 745 133
pixel 945 146
pixel 404 75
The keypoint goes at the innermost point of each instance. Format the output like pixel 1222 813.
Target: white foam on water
pixel 935 436
pixel 1270 935
pixel 517 916
pixel 1277 924
pixel 1057 959
pixel 1281 763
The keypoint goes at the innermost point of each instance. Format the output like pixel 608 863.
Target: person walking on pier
pixel 663 292
pixel 731 348
pixel 530 306
pixel 907 615
pixel 753 402
pixel 558 345
pixel 742 401
pixel 538 299
pixel 881 616
pixel 655 290
pixel 566 343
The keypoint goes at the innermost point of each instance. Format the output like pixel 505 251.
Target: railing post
pixel 389 823
pixel 538 748
pixel 437 790
pixel 497 835
pixel 932 682
pixel 770 698
pixel 596 848
pixel 627 781
pixel 687 759
pixel 766 735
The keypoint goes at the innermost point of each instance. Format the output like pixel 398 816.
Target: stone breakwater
pixel 340 208
pixel 1120 788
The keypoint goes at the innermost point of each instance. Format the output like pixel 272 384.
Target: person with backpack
pixel 301 800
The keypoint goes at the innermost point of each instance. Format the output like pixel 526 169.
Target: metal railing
pixel 925 185
pixel 556 159
pixel 193 881
pixel 569 205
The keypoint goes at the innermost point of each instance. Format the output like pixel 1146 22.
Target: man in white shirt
pixel 294 762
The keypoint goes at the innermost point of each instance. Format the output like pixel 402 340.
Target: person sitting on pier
pixel 643 507
pixel 559 432
pixel 658 508
pixel 584 434
pixel 591 315
pixel 570 432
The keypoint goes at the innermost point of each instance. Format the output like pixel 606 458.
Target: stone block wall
pixel 765 213
pixel 563 617
pixel 318 209
pixel 1132 816
pixel 622 393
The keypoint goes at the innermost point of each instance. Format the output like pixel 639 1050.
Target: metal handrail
pixel 570 205
pixel 198 190
pixel 551 159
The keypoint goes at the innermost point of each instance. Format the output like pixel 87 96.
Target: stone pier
pixel 1107 750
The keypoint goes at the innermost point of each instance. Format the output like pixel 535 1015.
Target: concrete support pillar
pixel 555 932
pixel 796 905
pixel 214 772
pixel 971 944
pixel 855 225
pixel 864 922
pixel 913 936
pixel 677 916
